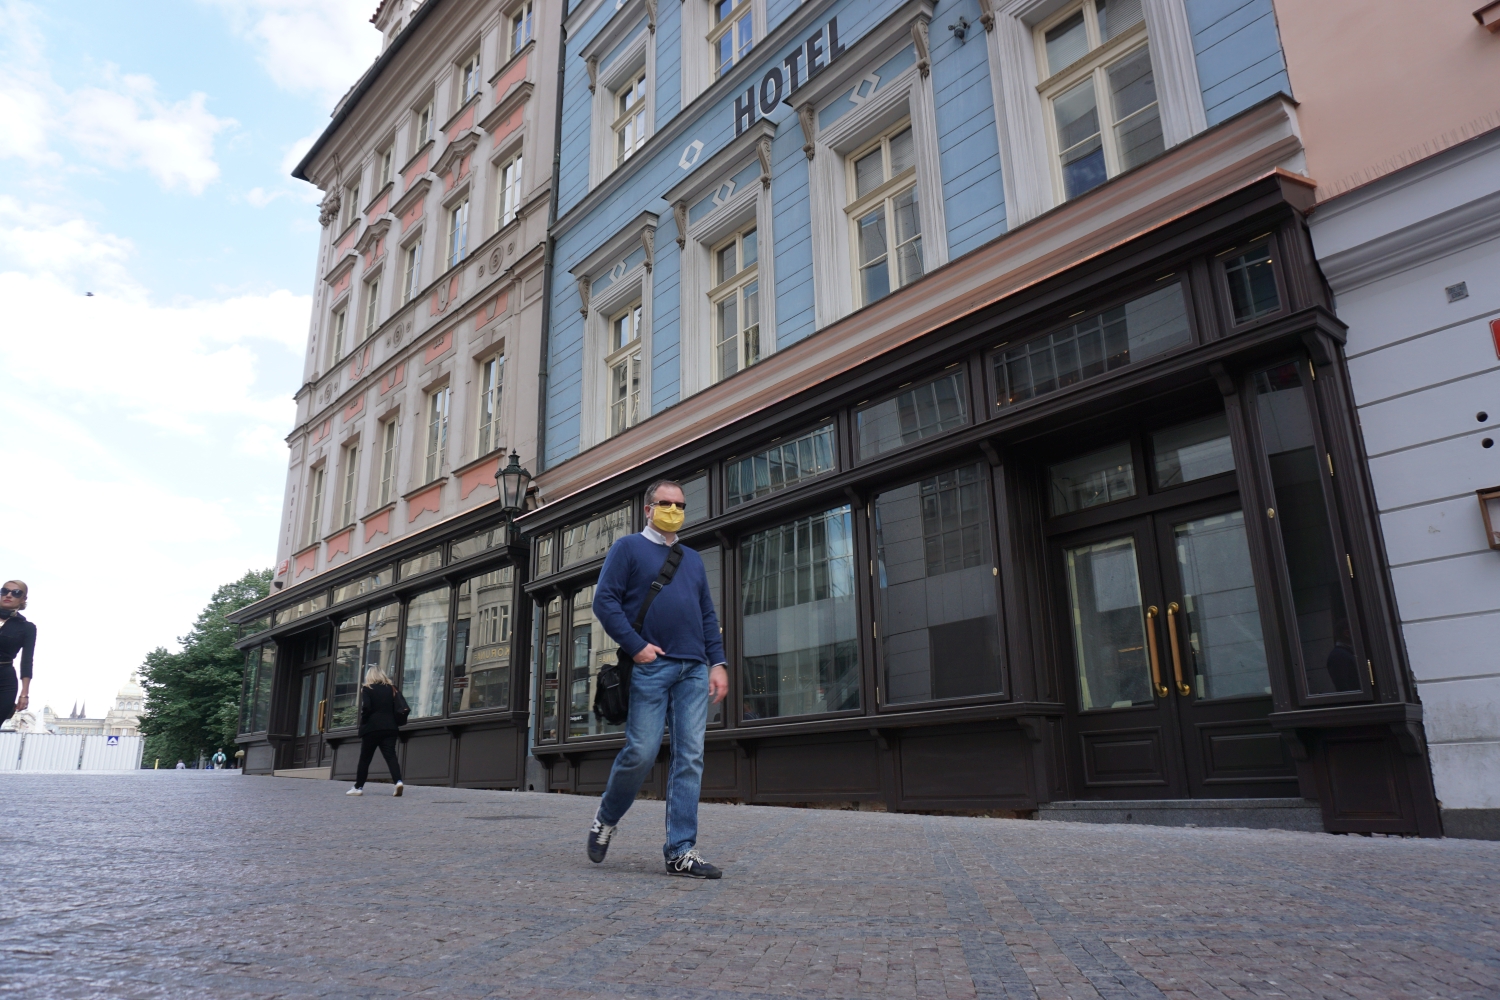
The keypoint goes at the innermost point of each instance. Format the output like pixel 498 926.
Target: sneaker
pixel 355 791
pixel 692 865
pixel 599 836
pixel 399 787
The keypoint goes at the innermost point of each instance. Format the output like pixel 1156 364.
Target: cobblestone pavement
pixel 203 885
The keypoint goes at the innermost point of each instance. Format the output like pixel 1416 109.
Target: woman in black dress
pixel 17 635
pixel 378 727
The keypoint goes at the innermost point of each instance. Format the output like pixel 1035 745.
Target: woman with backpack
pixel 382 710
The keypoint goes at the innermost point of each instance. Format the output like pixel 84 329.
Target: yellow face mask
pixel 667 520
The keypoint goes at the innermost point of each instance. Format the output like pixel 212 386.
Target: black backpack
pixel 401 709
pixel 612 688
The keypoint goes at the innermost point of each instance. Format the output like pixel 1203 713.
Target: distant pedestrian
pixel 382 712
pixel 220 760
pixel 671 647
pixel 180 766
pixel 17 635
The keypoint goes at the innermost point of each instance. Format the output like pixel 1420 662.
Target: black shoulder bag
pixel 612 689
pixel 399 706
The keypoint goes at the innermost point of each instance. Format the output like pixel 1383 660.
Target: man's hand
pixel 650 653
pixel 718 684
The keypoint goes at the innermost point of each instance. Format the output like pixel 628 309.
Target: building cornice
pixel 1448 232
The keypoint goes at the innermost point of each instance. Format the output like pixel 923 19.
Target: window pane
pixel 380 640
pixel 869 172
pixel 481 642
pixel 695 492
pixel 590 648
pixel 1077 115
pixel 478 542
pixel 1112 339
pixel 247 689
pixel 713 567
pixel 1066 43
pixel 1102 476
pixel 1109 627
pixel 924 411
pixel 1252 283
pixel 1312 556
pixel 727 260
pixel 750 248
pixel 799 618
pixel 939 633
pixel 908 237
pixel 875 280
pixel 903 152
pixel 347 657
pixel 1224 640
pixel 750 338
pixel 546 726
pixel 729 324
pixel 422 562
pixel 595 536
pixel 1194 450
pixel 367 584
pixel 1116 16
pixel 1137 118
pixel 780 466
pixel 261 718
pixel 425 657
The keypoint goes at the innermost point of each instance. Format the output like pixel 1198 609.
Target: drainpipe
pixel 547 264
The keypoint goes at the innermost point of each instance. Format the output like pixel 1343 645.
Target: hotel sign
pixel 816 53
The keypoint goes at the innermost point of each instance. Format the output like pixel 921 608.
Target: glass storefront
pixel 482 642
pixel 424 660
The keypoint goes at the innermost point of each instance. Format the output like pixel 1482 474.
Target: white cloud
pixel 260 197
pixel 23 106
pixel 128 126
pixel 317 46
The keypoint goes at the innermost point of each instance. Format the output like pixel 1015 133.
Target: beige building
pixel 123 719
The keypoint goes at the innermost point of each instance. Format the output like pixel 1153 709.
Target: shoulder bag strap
pixel 668 570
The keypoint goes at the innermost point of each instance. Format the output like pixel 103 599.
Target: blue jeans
pixel 662 692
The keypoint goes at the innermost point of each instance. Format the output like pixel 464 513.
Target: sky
pixel 145 157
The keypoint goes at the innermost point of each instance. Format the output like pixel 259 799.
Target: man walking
pixel 671 680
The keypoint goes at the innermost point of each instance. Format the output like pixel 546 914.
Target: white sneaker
pixel 399 787
pixel 355 791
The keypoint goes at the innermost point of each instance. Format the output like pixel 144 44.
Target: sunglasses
pixel 669 503
pixel 7 592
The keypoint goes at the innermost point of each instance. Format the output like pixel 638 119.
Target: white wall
pixel 1423 370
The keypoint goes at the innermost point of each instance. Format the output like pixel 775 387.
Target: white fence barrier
pixel 54 752
pixel 112 753
pixel 50 752
pixel 10 751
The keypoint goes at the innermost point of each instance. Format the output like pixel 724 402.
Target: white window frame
pixel 637 58
pixel 347 506
pixel 884 195
pixel 458 232
pixel 698 33
pixel 733 287
pixel 423 124
pixel 390 457
pixel 316 482
pixel 629 126
pixel 508 189
pixel 521 28
pixel 469 80
pixel 372 305
pixel 435 432
pixel 351 206
pixel 623 354
pixel 338 334
pixel 1020 113
pixel 411 269
pixel 387 169
pixel 908 94
pixel 628 284
pixel 491 398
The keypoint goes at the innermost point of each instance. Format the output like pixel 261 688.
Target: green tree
pixel 193 696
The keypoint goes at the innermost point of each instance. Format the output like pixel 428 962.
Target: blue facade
pixel 1239 63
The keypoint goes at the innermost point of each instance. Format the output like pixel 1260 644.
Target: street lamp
pixel 512 480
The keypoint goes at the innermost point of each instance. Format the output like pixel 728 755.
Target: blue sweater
pixel 681 620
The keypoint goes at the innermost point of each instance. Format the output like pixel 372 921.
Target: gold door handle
pixel 1161 689
pixel 1172 610
pixel 323 715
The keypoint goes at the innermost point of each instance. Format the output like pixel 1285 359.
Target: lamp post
pixel 512 481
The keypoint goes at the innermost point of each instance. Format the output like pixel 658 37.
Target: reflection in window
pixel 732 35
pixel 1252 283
pixel 1312 554
pixel 1109 627
pixel 546 726
pixel 886 219
pixel 590 648
pixel 779 466
pixel 920 412
pixel 1102 476
pixel 1194 450
pixel 367 584
pixel 346 679
pixel 1224 641
pixel 480 541
pixel 695 492
pixel 713 567
pixel 425 658
pixel 247 689
pixel 939 633
pixel 302 609
pixel 481 642
pixel 594 537
pixel 422 562
pixel 799 618
pixel 1139 329
pixel 544 555
pixel 261 719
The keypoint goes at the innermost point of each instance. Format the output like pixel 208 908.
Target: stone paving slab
pixel 217 886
